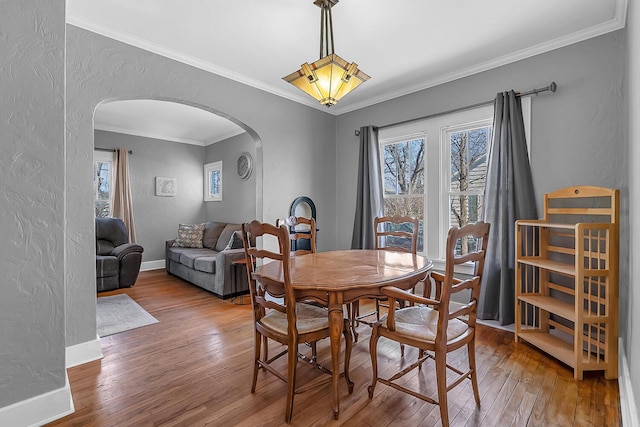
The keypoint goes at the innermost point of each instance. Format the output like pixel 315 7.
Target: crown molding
pixel 144 134
pixel 616 23
pixel 224 136
pixel 164 137
pixel 139 42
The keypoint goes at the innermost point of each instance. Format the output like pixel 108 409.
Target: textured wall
pixel 157 217
pixel 632 337
pixel 32 344
pixel 238 196
pixel 577 134
pixel 100 69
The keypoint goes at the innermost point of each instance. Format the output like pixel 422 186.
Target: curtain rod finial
pixel 357 132
pixel 553 86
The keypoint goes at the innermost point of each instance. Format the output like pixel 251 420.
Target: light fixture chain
pixel 322 30
pixel 330 28
pixel 326 29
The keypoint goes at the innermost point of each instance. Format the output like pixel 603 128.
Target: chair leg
pixel 373 351
pixel 401 303
pixel 471 351
pixel 377 309
pixel 347 353
pixel 353 310
pixel 256 365
pixel 441 381
pixel 292 362
pixel 265 343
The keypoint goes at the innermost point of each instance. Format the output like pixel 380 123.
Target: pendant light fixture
pixel 331 77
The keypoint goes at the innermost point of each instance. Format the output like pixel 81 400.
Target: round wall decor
pixel 245 165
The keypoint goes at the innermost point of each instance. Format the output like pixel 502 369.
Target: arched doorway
pixel 173 139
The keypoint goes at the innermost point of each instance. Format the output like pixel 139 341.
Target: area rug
pixel 119 313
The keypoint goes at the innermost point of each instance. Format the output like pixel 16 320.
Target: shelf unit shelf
pixel 567 279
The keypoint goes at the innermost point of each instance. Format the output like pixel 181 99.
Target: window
pixel 403 175
pixel 103 182
pixel 213 181
pixel 467 146
pixel 435 169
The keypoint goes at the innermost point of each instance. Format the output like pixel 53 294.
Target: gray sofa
pixel 210 266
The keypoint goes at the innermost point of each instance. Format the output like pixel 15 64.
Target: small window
pixel 103 182
pixel 213 182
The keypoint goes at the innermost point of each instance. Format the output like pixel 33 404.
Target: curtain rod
pixel 109 149
pixel 552 88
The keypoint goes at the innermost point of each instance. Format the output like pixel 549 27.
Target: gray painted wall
pixel 32 347
pixel 101 69
pixel 238 196
pixel 632 337
pixel 577 134
pixel 157 217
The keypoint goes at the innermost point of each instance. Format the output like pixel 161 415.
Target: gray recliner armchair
pixel 117 260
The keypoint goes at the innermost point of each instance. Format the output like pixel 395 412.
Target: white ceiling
pixel 404 45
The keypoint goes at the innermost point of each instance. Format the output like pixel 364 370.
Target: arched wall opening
pixel 172 140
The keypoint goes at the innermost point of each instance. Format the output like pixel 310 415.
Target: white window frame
pixel 209 169
pixel 437 166
pixel 106 157
pixel 445 176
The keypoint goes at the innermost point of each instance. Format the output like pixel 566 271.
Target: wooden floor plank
pixel 194 368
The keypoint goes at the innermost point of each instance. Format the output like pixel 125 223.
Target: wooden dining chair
pixel 296 234
pixel 435 326
pixel 392 233
pixel 290 323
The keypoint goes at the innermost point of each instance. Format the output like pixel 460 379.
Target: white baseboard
pixel 83 353
pixel 39 410
pixel 627 401
pixel 152 265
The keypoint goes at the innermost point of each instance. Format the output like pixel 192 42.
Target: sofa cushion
pixel 189 236
pixel 224 238
pixel 212 231
pixel 205 263
pixel 174 253
pixel 188 258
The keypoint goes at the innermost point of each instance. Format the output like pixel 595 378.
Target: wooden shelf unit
pixel 566 278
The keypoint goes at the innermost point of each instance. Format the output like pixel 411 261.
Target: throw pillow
pixel 235 242
pixel 189 236
pixel 226 236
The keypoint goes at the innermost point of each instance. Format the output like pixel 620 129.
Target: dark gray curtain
pixel 369 194
pixel 508 196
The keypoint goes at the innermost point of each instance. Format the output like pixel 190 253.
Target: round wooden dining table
pixel 344 276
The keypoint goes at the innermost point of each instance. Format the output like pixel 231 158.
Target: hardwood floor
pixel 194 368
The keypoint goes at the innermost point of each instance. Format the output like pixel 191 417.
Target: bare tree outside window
pixel 468 176
pixel 102 188
pixel 403 170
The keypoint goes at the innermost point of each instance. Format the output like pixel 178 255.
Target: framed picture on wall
pixel 213 182
pixel 166 186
